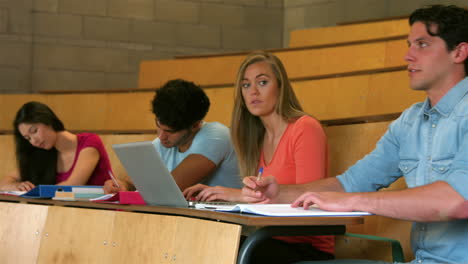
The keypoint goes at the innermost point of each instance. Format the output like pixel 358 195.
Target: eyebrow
pixel 256 77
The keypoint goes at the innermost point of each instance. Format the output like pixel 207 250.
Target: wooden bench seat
pixel 218 71
pixel 397 28
pixel 326 99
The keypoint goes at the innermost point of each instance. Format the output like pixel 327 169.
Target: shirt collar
pixel 448 102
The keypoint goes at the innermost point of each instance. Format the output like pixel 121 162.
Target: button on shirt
pixel 425 144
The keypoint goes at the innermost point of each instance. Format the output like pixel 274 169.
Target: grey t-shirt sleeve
pixel 213 141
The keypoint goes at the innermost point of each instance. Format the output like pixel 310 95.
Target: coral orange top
pixel 301 157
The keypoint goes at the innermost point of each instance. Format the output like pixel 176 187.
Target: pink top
pixel 100 173
pixel 301 157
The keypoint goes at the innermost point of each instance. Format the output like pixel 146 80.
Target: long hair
pixel 247 130
pixel 36 165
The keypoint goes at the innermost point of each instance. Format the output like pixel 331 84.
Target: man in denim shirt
pixel 427 144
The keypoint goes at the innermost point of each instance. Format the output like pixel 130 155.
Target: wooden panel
pixel 358 248
pixel 354 96
pixel 389 93
pixel 97 111
pixel 95 236
pixel 110 111
pixel 21 229
pixel 209 242
pixel 7 155
pixel 348 33
pixel 308 63
pixel 202 71
pixel 105 111
pixel 142 238
pixel 387 227
pixel 350 143
pixel 9 105
pixel 75 235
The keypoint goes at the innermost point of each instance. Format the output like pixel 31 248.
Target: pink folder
pixel 124 198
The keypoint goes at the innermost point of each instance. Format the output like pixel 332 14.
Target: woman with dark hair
pixel 48 154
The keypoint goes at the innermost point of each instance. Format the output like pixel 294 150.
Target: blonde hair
pixel 247 130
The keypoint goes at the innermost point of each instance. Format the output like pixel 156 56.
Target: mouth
pixel 413 70
pixel 255 102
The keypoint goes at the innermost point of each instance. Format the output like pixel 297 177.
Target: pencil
pixel 113 179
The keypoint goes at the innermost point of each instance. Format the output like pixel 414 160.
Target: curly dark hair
pixel 179 104
pixel 36 165
pixel 451 22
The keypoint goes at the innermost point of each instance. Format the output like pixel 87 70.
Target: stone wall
pixel 98 44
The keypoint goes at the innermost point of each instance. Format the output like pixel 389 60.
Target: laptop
pixel 150 175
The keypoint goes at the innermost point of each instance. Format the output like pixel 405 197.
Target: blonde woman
pixel 270 131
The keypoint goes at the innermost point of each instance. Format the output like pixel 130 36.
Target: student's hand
pixel 461 211
pixel 192 191
pixel 24 186
pixel 330 201
pixel 265 190
pixel 110 187
pixel 220 193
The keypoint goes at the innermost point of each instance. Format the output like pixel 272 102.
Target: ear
pixel 197 124
pixel 460 53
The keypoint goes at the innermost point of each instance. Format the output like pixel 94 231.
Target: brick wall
pixel 98 44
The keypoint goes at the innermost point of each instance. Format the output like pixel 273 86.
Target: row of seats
pixel 352 33
pixel 311 63
pixel 326 99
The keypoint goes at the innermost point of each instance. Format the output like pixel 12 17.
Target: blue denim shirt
pixel 425 144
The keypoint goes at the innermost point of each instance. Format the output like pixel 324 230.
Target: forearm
pixel 9 183
pixel 289 193
pixel 434 202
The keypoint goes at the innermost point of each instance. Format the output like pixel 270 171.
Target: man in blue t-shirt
pixel 193 150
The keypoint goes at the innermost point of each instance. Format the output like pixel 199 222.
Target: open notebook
pixel 277 210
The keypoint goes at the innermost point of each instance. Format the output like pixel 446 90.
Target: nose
pixel 161 134
pixel 34 141
pixel 409 57
pixel 253 90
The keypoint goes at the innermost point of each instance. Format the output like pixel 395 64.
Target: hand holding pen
pixel 114 180
pixel 260 172
pixel 112 185
pixel 260 189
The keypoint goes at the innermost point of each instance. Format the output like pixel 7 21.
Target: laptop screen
pixel 151 177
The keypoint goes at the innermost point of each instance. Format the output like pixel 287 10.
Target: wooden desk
pixel 269 226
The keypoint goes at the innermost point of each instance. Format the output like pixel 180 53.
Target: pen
pixel 260 171
pixel 113 179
